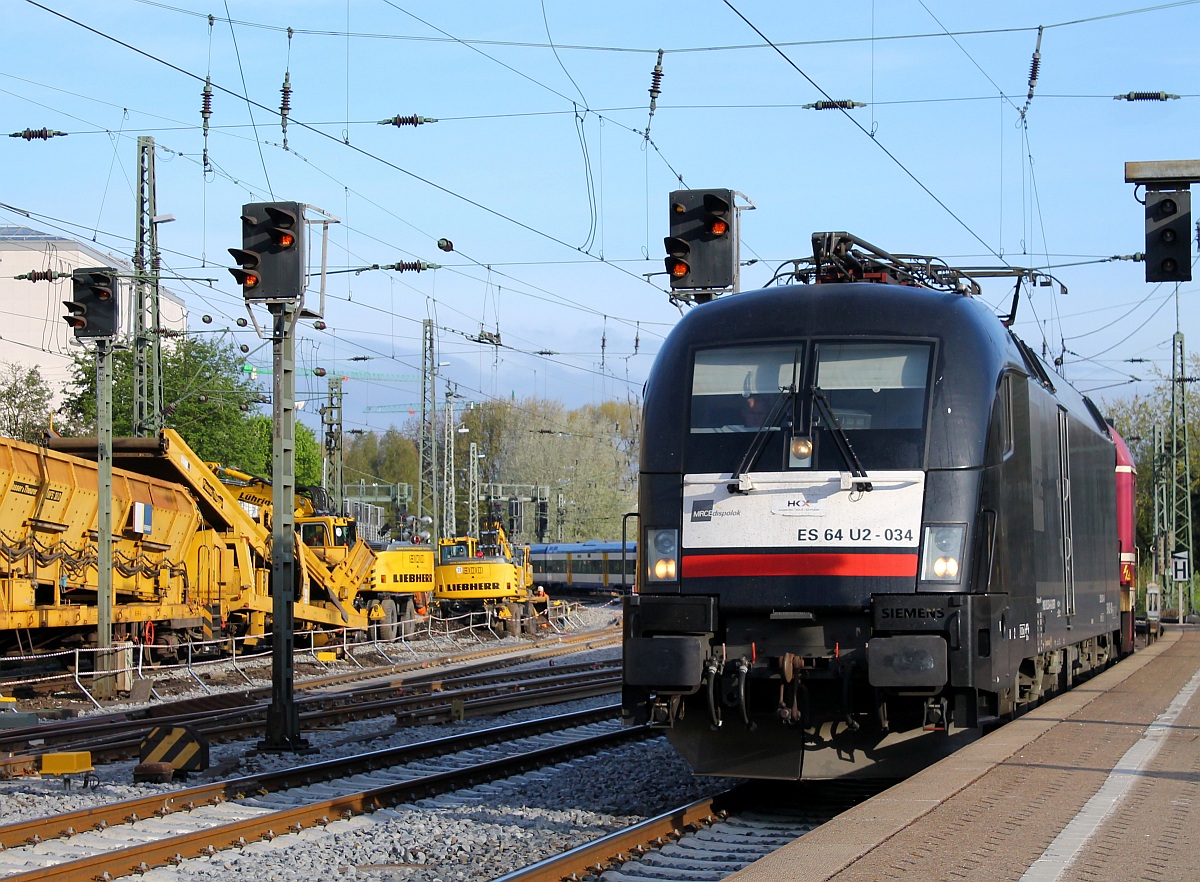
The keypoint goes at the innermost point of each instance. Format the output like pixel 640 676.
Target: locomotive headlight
pixel 662 560
pixel 942 552
pixel 665 541
pixel 800 452
pixel 945 567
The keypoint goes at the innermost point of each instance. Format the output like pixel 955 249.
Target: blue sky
pixel 541 172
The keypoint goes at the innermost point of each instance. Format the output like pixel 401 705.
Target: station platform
pixel 1101 783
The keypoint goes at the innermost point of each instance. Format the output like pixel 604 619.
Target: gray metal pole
pixel 449 494
pixel 333 442
pixel 283 719
pixel 104 685
pixel 147 324
pixel 473 493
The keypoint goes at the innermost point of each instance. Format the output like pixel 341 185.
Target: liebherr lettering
pixel 473 586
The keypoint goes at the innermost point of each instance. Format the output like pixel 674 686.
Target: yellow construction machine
pixel 488 578
pixel 395 593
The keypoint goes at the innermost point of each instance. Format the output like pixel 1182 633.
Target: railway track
pixel 435 700
pixel 413 692
pixel 706 839
pixel 135 835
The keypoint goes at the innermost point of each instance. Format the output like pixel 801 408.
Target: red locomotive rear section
pixel 1126 536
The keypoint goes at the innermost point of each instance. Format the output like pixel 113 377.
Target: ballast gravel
pixel 476 834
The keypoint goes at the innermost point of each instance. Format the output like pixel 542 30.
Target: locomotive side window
pixel 1000 434
pixel 733 389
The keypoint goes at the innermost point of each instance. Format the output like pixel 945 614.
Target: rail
pixel 135 660
pixel 141 856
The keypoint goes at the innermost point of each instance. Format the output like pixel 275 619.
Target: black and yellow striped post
pixel 181 747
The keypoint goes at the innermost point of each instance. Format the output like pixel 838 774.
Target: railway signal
pixel 92 311
pixel 677 260
pixel 703 246
pixel 271 261
pixel 1168 236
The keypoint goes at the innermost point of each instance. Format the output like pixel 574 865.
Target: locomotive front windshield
pixel 770 396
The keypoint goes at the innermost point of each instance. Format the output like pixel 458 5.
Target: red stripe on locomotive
pixel 825 564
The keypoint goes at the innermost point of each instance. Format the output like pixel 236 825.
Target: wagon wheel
pixel 408 618
pixel 512 625
pixel 387 627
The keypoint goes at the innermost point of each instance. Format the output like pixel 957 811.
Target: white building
pixel 32 328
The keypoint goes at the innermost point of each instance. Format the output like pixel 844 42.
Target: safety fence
pixel 129 663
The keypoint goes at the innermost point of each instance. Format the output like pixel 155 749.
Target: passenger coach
pixel 585 567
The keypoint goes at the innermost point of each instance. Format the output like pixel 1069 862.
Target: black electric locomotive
pixel 872 522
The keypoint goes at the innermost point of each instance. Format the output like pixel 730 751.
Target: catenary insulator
pixel 38 134
pixel 656 80
pixel 844 104
pixel 1145 96
pixel 413 120
pixel 205 113
pixel 1034 66
pixel 42 276
pixel 285 105
pixel 285 102
pixel 414 266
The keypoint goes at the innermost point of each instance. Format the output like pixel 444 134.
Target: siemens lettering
pixel 914 613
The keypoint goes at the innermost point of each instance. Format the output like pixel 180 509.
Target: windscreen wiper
pixel 840 440
pixel 759 441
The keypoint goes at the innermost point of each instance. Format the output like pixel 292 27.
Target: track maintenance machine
pixel 488 578
pixel 395 594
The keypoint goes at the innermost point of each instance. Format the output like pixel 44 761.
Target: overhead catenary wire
pixel 873 138
pixel 241 71
pixel 736 47
pixel 352 147
pixel 468 270
pixel 199 294
pixel 553 297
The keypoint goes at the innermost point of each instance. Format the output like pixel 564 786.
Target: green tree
pixel 584 458
pixel 390 457
pixel 258 459
pixel 207 397
pixel 24 402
